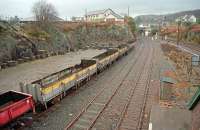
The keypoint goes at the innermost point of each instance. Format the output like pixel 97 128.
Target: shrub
pixel 39 34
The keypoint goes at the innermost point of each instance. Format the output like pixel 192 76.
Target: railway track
pixel 87 117
pixel 133 112
pixel 122 99
pixel 154 86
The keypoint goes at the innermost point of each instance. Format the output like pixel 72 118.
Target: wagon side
pixel 105 59
pixel 14 104
pixel 56 85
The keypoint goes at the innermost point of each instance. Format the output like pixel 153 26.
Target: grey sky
pixel 68 8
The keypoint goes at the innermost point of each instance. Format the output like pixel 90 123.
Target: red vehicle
pixel 14 104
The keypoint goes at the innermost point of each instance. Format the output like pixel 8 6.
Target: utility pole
pixel 86 15
pixel 86 19
pixel 178 33
pixel 128 11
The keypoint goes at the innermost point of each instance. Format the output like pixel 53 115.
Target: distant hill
pixel 155 19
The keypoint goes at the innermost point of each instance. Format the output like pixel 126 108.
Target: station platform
pixel 169 118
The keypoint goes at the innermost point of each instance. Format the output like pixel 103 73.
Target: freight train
pixel 57 84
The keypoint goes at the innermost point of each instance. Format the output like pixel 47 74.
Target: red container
pixel 14 104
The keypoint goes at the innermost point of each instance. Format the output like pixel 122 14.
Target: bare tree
pixel 44 12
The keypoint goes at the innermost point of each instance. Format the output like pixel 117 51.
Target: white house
pixel 187 18
pixel 192 19
pixel 103 15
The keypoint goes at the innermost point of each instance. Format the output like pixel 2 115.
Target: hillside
pixel 155 19
pixel 27 40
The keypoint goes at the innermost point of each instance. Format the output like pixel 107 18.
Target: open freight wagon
pixel 56 85
pixel 123 49
pixel 13 105
pixel 106 58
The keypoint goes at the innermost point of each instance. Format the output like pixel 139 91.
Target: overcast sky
pixel 69 8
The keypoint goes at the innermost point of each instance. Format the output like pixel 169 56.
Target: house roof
pixel 195 28
pixel 173 29
pixel 188 16
pixel 117 15
pixel 58 19
pixel 185 17
pixel 103 11
pixel 29 19
pixel 97 12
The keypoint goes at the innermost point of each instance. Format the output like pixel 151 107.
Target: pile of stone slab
pixel 8 64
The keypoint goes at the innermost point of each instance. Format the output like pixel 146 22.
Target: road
pixel 31 71
pixel 133 79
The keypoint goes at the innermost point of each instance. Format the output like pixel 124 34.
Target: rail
pixel 101 106
pixel 140 81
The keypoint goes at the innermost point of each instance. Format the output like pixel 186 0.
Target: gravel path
pixel 31 71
